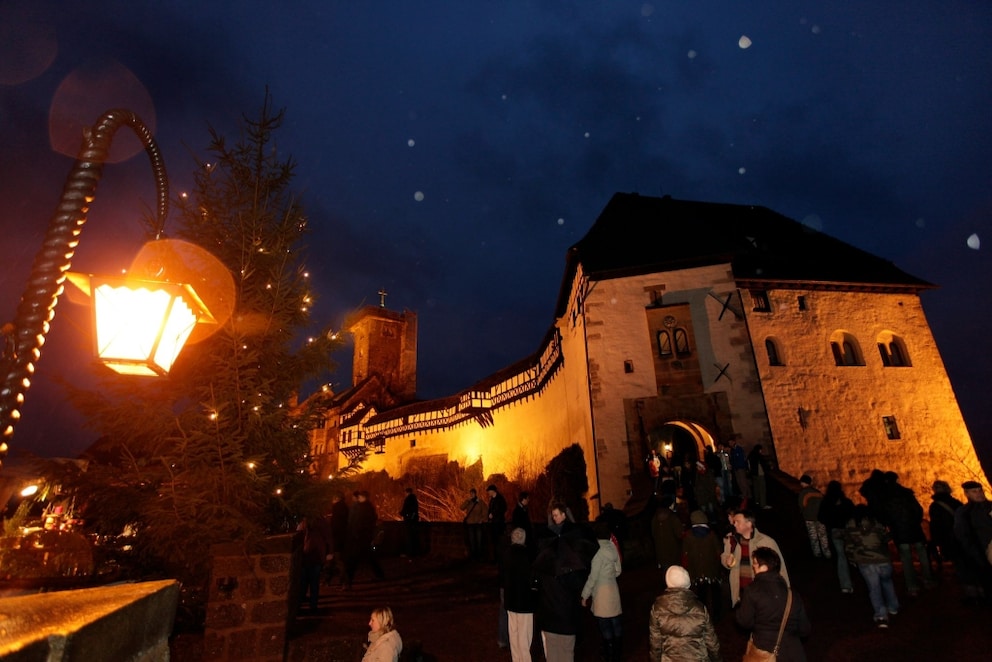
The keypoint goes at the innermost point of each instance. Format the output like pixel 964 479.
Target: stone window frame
pixel 774 352
pixel 846 350
pixel 891 428
pixel 892 350
pixel 760 301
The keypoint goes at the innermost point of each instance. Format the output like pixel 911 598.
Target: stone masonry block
pixel 250 588
pixel 224 615
pixel 242 645
pixel 214 646
pixel 279 585
pixel 271 641
pixel 271 564
pixel 271 611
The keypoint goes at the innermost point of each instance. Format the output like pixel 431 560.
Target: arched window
pixel 681 342
pixel 892 349
pixel 774 356
pixel 845 348
pixel 674 342
pixel 664 344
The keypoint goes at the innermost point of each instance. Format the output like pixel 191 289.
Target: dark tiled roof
pixel 637 235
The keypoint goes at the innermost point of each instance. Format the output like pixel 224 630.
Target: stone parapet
pixel 122 622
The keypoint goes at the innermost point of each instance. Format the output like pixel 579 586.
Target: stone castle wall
pixel 827 420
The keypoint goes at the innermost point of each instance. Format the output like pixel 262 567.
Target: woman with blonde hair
pixel 385 644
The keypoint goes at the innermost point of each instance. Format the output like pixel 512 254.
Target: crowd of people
pixel 742 569
pixel 707 545
pixel 850 536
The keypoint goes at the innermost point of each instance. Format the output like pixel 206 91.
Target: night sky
pixel 451 152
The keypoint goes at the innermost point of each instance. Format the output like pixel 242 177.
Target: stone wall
pixel 123 622
pixel 251 598
pixel 829 420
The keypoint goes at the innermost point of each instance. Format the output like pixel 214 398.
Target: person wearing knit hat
pixel 973 531
pixel 680 627
pixel 677 577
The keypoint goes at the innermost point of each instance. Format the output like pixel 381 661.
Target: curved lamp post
pixel 176 306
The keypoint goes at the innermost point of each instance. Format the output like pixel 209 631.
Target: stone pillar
pixel 251 593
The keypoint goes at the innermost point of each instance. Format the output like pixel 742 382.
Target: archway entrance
pixel 681 441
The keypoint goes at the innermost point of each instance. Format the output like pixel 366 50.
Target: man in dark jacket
pixel 497 519
pixel 521 519
pixel 519 594
pixel 973 532
pixel 836 510
pixel 339 537
pixel 361 534
pixel 943 547
pixel 561 569
pixel 902 513
pixel 316 548
pixel 410 513
pixel 762 608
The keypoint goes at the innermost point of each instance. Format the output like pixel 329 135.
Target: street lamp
pixel 175 306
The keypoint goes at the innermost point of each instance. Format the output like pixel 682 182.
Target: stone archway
pixel 680 440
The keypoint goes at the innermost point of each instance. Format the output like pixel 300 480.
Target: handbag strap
pixel 785 617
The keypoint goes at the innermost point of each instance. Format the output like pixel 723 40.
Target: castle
pixel 678 324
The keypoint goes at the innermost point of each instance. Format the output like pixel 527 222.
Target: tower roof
pixel 636 235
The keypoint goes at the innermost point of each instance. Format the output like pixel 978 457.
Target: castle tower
pixel 385 345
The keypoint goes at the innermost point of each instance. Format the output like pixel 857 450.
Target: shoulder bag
pixel 755 654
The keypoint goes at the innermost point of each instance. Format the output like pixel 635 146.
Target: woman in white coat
pixel 602 587
pixel 385 644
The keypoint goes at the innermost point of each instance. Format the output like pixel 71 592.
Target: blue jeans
pixel 610 628
pixel 881 590
pixel 843 569
pixel 726 484
pixel 908 571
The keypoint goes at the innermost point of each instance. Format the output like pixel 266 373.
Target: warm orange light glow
pixel 141 326
pixel 141 331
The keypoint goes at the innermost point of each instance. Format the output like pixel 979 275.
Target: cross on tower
pixel 382 297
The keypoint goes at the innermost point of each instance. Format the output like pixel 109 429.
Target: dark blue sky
pixel 451 151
